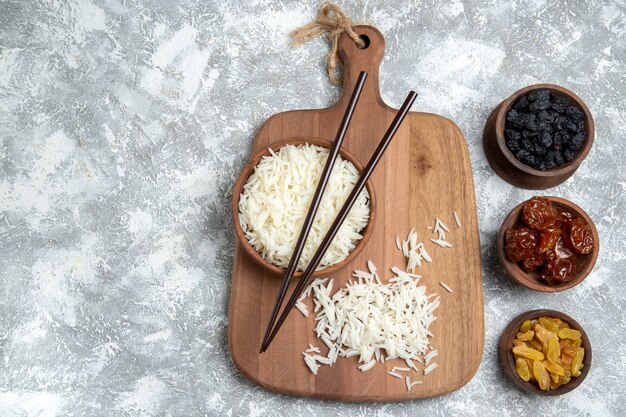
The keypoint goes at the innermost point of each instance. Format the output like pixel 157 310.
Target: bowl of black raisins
pixel 538 137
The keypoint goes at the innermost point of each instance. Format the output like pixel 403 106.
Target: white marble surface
pixel 123 125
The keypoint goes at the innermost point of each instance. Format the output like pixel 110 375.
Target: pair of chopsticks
pixel 272 329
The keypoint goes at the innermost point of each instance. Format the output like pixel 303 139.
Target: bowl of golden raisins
pixel 545 352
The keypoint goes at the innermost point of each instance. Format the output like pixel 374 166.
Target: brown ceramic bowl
pixel 531 279
pixel 516 172
pixel 508 361
pixel 243 178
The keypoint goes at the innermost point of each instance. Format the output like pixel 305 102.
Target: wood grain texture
pixel 425 173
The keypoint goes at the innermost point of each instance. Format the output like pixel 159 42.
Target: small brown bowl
pixel 531 279
pixel 516 172
pixel 508 361
pixel 249 169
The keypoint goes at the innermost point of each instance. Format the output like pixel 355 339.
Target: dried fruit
pixel 521 365
pixel 562 380
pixel 548 238
pixel 577 361
pixel 529 353
pixel 526 336
pixel 569 334
pixel 553 368
pixel 520 243
pixel 562 217
pixel 534 262
pixel 568 347
pixel 541 375
pixel 566 360
pixel 538 213
pixel 577 236
pixel 554 351
pixel 535 344
pixel 543 334
pixel 549 324
pixel 517 342
pixel 561 251
pixel 544 129
pixel 558 270
pixel 542 245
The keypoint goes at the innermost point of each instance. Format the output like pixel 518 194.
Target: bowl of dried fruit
pixel 545 352
pixel 539 136
pixel 548 244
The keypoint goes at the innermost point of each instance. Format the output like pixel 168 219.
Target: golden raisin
pixel 535 344
pixel 566 360
pixel 522 369
pixel 554 351
pixel 578 361
pixel 517 342
pixel 529 362
pixel 553 368
pixel 525 326
pixel 554 378
pixel 541 375
pixel 526 336
pixel 549 324
pixel 543 334
pixel 568 347
pixel 528 353
pixel 569 334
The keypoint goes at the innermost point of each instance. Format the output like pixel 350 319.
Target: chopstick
pixel 343 213
pixel 317 198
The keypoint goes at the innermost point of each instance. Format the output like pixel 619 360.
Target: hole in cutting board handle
pixel 365 40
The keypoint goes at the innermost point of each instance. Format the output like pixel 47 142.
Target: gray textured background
pixel 124 124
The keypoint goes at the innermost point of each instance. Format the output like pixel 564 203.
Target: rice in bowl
pixel 276 198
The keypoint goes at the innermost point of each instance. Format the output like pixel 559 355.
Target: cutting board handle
pixel 368 59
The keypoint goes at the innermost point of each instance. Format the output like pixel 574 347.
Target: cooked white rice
pixel 276 199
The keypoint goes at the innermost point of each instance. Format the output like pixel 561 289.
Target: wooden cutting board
pixel 425 173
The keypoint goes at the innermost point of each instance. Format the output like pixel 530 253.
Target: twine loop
pixel 331 20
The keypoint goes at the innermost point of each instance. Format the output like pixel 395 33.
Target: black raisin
pixel 570 155
pixel 512 134
pixel 537 95
pixel 545 138
pixel 540 149
pixel 549 164
pixel 529 134
pixel 550 156
pixel 513 145
pixel 528 144
pixel 570 126
pixel 531 124
pixel 539 105
pixel 558 158
pixel 526 157
pixel 557 138
pixel 518 122
pixel 512 115
pixel 580 125
pixel 559 103
pixel 545 126
pixel 544 116
pixel 521 104
pixel 574 113
pixel 576 142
